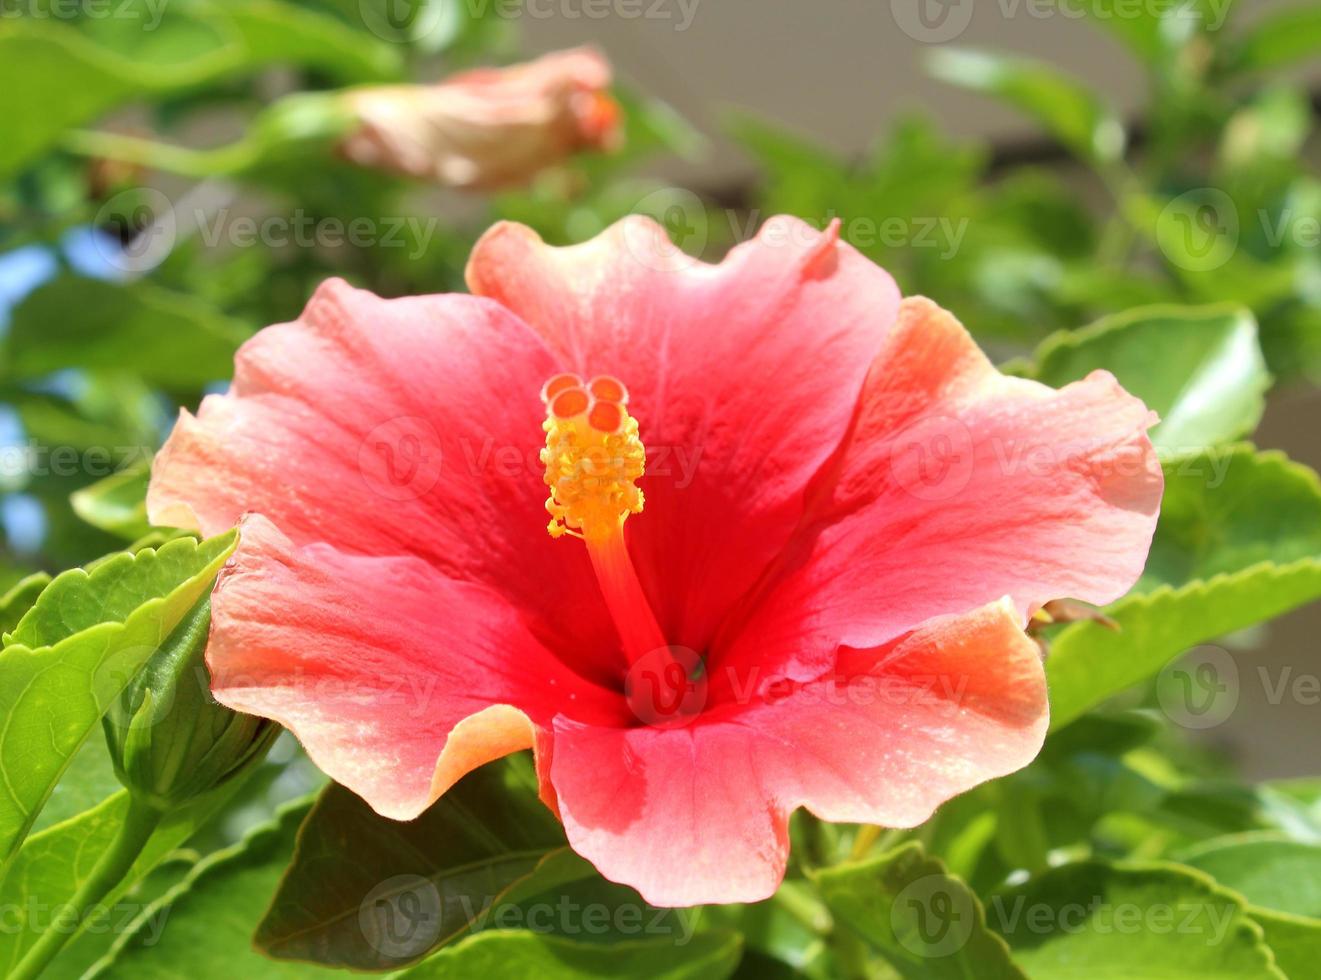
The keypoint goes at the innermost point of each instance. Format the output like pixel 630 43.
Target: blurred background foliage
pixel 1189 239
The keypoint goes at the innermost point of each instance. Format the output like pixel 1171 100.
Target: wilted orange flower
pixel 491 127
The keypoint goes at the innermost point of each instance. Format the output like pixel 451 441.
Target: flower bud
pixel 169 739
pixel 492 127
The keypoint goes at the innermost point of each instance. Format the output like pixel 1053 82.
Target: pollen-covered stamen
pixel 593 456
pixel 593 459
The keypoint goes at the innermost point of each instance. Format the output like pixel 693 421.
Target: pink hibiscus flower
pixel 814 594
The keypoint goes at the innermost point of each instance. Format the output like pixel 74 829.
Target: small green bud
pixel 169 739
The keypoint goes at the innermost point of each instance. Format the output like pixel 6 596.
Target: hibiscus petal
pixel 392 427
pixel 697 814
pixel 396 679
pixel 958 486
pixel 743 377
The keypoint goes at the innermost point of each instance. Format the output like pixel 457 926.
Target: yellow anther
pixel 593 456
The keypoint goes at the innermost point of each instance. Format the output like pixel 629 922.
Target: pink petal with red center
pixel 698 814
pixel 392 427
pixel 957 486
pixel 743 377
pixel 396 679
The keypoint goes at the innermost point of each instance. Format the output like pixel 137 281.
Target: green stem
pixel 800 901
pixel 307 119
pixel 868 835
pixel 160 156
pixel 139 823
pixel 850 953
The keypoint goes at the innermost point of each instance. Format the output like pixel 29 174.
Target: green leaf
pixel 282 33
pixel 128 913
pixel 1068 110
pixel 1098 920
pixel 82 74
pixel 53 863
pixel 1199 368
pixel 518 955
pixel 1239 542
pixel 209 917
pixel 411 886
pixel 782 937
pixel 1269 870
pixel 71 655
pixel 88 781
pixel 1137 25
pixel 20 598
pixel 1152 30
pixel 82 80
pixel 1230 510
pixel 1295 941
pixel 1281 39
pixel 925 922
pixel 116 503
pixel 170 339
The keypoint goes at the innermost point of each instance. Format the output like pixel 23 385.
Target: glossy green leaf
pixel 88 781
pixel 35 58
pixel 81 77
pixel 1281 38
pixel 1069 111
pixel 1153 30
pixel 128 913
pixel 282 33
pixel 1138 25
pixel 1294 939
pixel 783 936
pixel 54 862
pixel 1269 870
pixel 148 49
pixel 410 886
pixel 516 955
pixel 925 922
pixel 209 917
pixel 1199 368
pixel 20 598
pixel 74 651
pixel 1239 542
pixel 171 339
pixel 1098 920
pixel 116 503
